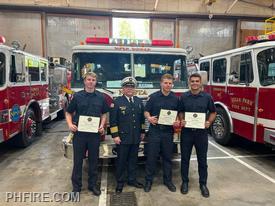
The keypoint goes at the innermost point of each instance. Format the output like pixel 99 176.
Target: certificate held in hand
pixel 195 120
pixel 167 117
pixel 88 124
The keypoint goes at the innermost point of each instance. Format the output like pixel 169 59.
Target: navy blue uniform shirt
pixel 158 101
pixel 202 102
pixel 87 104
pixel 127 120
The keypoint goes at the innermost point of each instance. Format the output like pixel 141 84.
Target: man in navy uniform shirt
pixel 87 102
pixel 160 137
pixel 127 129
pixel 195 101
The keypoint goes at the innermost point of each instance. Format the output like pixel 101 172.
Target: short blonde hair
pixel 166 76
pixel 92 74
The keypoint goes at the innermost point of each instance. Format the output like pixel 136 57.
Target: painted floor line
pixel 210 158
pixel 244 163
pixel 228 157
pixel 249 156
pixel 104 183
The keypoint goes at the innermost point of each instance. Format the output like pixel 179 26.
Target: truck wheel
pixel 31 128
pixel 220 129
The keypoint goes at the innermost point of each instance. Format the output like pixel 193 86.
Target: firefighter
pixel 127 129
pixel 195 101
pixel 160 137
pixel 87 102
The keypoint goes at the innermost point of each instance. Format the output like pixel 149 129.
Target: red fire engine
pixel 242 83
pixel 30 93
pixel 114 59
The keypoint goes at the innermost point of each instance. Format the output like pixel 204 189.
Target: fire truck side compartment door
pixel 16 91
pixel 17 71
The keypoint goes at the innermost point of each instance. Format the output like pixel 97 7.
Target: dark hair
pixel 195 75
pixel 166 76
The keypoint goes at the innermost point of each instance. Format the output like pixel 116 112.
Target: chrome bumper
pixel 269 136
pixel 107 148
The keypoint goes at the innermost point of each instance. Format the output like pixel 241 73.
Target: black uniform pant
pixel 82 142
pixel 198 138
pixel 127 156
pixel 160 143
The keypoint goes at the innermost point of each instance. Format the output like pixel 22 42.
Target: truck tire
pixel 31 128
pixel 220 129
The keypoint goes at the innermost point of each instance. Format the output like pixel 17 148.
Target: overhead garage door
pixel 24 28
pixel 65 32
pixel 207 36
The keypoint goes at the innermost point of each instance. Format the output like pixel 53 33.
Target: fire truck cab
pixel 114 59
pixel 25 95
pixel 242 84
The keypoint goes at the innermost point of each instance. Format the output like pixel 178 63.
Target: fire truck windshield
pixel 2 69
pixel 111 68
pixel 266 66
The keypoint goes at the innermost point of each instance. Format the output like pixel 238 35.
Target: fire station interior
pixel 36 166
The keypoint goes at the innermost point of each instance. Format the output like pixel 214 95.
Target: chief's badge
pixel 122 109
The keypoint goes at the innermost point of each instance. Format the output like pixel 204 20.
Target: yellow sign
pixel 31 62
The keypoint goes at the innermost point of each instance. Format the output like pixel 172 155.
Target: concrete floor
pixel 241 175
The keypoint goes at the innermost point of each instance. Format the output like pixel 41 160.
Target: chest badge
pixel 122 109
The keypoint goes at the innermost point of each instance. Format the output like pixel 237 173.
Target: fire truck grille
pixel 144 100
pixel 123 199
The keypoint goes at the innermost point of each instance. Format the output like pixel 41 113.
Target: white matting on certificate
pixel 195 120
pixel 88 124
pixel 167 117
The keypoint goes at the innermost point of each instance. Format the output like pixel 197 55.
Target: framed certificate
pixel 195 120
pixel 88 124
pixel 167 117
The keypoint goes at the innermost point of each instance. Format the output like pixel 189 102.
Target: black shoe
pixel 170 186
pixel 184 188
pixel 74 195
pixel 136 184
pixel 96 191
pixel 119 190
pixel 204 191
pixel 147 186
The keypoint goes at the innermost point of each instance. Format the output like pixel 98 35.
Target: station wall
pixel 228 7
pixel 49 34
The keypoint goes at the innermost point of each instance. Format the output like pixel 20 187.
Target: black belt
pixel 193 129
pixel 163 127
